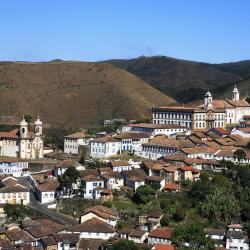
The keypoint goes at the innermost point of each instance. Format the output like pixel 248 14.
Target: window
pixel 95 184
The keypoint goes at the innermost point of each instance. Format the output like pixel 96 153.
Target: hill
pixel 186 81
pixel 74 93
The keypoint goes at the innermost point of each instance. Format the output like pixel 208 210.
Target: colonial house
pixel 155 129
pixel 131 141
pixel 14 192
pixel 134 178
pixel 188 173
pixel 91 182
pixel 217 235
pixel 113 180
pixel 160 235
pixel 93 229
pixel 73 142
pixel 104 147
pixel 19 236
pixel 236 237
pixel 47 191
pixel 13 166
pixel 161 145
pixel 21 143
pixel 137 236
pixel 102 213
pixel 212 114
pixel 120 165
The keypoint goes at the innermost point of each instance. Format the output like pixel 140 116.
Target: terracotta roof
pixel 6 245
pixel 238 103
pixel 66 237
pixel 117 163
pixel 105 139
pixel 215 231
pixel 173 108
pixel 45 230
pixel 92 178
pixel 36 223
pixel 13 134
pixel 135 175
pixel 161 232
pixel 48 186
pixel 172 186
pixel 10 181
pixel 155 214
pixel 93 225
pixel 49 241
pixel 93 244
pixel 163 247
pixel 169 142
pixel 102 211
pixel 155 178
pixel 137 233
pixel 14 189
pixel 131 135
pixel 197 150
pixel 67 163
pixel 77 135
pixel 112 175
pixel 187 168
pixel 155 126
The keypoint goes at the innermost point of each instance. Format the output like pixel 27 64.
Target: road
pixel 62 218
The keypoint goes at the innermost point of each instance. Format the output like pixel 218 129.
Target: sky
pixel 212 31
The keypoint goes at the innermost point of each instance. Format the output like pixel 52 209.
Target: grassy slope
pixel 75 93
pixel 183 80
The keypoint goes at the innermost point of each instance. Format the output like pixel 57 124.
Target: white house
pixel 102 213
pixel 131 141
pixel 113 180
pixel 74 141
pixel 93 229
pixel 91 182
pixel 22 143
pixel 104 147
pixel 160 235
pixel 120 165
pixel 13 192
pixel 15 167
pixel 236 238
pixel 47 191
pixel 138 236
pixel 155 129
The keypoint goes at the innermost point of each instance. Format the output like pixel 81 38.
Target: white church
pixel 22 143
pixel 211 114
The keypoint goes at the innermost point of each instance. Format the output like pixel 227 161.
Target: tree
pixel 165 220
pixel 124 245
pixel 244 175
pixel 240 155
pixel 16 212
pixel 144 194
pixel 220 204
pixel 28 118
pixel 70 176
pixel 193 235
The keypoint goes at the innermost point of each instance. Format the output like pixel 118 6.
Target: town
pixel 178 180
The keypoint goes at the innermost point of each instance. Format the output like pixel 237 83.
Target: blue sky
pixel 90 30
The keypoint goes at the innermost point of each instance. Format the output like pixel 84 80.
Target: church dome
pixel 23 122
pixel 38 121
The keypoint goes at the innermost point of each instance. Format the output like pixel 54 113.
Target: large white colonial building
pixel 21 142
pixel 212 114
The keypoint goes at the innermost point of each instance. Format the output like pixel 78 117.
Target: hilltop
pixel 75 93
pixel 186 81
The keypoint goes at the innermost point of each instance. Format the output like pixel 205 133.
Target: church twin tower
pixel 208 101
pixel 38 128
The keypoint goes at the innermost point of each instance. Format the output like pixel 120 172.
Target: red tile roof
pixel 172 186
pixel 161 232
pixel 163 247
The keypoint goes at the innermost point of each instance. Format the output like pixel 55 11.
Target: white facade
pixel 15 197
pixel 102 149
pixel 155 129
pixel 21 143
pixel 89 187
pixel 14 168
pixel 114 183
pixel 46 196
pixel 95 235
